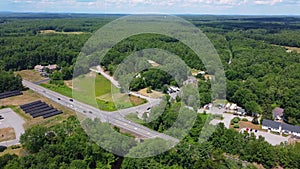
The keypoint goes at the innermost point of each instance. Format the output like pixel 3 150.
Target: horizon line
pixel 113 13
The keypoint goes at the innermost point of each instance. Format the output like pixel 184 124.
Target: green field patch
pixel 62 89
pixel 104 96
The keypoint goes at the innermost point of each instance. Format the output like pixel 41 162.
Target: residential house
pixel 281 127
pixel 39 68
pixel 191 80
pixel 271 125
pixel 290 129
pixel 233 107
pixel 278 113
pixel 241 111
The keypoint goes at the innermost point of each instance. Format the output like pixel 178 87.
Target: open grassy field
pixel 104 95
pixel 30 75
pixel 62 89
pixel 292 48
pixel 55 32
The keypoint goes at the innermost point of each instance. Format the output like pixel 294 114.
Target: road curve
pixel 115 118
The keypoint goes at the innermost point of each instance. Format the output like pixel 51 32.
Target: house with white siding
pixel 281 127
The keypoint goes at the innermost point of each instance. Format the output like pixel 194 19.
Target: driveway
pixel 12 120
pixel 227 117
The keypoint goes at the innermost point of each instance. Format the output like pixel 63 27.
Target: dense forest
pixel 54 148
pixel 10 82
pixel 261 75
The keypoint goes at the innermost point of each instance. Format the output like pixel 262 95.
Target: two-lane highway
pixel 115 118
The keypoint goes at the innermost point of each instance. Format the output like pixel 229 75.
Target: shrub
pixel 244 119
pixel 236 126
pixel 255 121
pixel 236 120
pixel 15 146
pixel 2 148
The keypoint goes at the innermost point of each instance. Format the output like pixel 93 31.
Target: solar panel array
pixel 10 94
pixel 39 108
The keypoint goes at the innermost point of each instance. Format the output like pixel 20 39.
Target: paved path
pixel 110 78
pixel 13 120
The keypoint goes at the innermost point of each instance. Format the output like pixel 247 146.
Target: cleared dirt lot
pixel 249 124
pixel 30 75
pixel 154 94
pixel 7 134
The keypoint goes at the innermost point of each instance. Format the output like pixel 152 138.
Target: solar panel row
pixel 10 94
pixel 29 104
pixel 39 108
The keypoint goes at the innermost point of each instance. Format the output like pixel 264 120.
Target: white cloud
pixel 267 2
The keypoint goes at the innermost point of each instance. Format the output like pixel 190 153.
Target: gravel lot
pixel 13 120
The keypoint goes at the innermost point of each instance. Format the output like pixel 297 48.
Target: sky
pixel 229 7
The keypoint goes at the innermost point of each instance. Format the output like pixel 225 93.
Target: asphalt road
pixel 115 118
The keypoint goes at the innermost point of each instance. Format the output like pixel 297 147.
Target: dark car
pixel 1 118
pixel 91 112
pixel 58 99
pixel 71 100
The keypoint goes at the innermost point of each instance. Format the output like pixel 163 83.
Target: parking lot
pixel 273 139
pixel 11 120
pixel 226 117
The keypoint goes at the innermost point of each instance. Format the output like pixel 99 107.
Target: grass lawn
pixel 107 96
pixel 134 118
pixel 62 89
pixel 218 101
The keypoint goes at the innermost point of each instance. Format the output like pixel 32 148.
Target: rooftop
pixel 278 112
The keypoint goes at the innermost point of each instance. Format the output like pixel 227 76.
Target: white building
pixel 281 127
